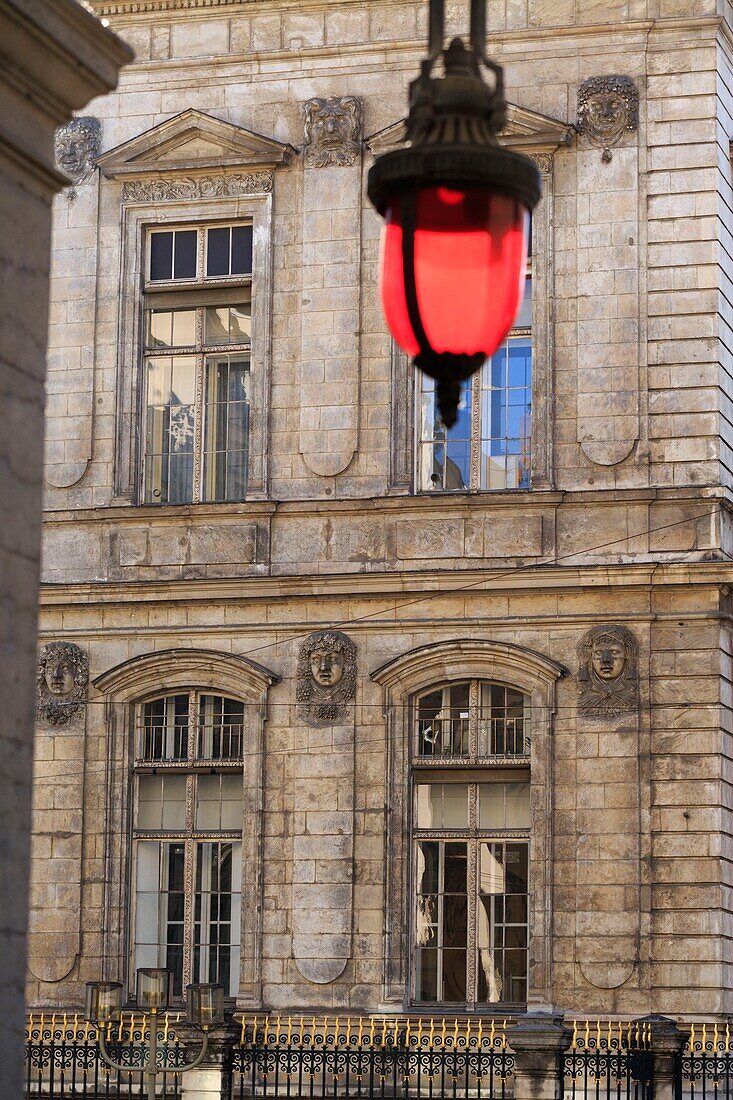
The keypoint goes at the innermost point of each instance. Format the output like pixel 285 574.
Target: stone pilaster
pixel 666 1043
pixel 538 1041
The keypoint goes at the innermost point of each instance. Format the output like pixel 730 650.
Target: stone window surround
pixel 401 679
pixel 125 688
pixel 137 219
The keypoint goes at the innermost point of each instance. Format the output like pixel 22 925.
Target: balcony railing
pixel 449 737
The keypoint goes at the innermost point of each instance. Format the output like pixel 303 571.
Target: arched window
pixel 470 844
pixel 469 824
pixel 183 855
pixel 187 837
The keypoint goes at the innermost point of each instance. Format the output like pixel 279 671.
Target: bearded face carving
pixel 326 677
pixel 608 672
pixel 332 131
pixel 608 107
pixel 77 147
pixel 62 677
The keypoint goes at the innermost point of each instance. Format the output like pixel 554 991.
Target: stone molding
pixel 193 141
pixel 421 667
pixel 180 188
pixel 190 668
pixel 530 132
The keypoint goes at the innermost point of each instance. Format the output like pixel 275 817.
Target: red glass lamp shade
pixel 468 267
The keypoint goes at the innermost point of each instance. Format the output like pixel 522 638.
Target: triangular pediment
pixel 527 130
pixel 193 140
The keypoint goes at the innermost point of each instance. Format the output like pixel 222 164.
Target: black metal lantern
pixel 456 207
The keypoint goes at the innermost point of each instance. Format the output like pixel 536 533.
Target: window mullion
pixel 194 706
pixel 472 905
pixel 189 895
pixel 473 722
pixel 199 406
pixel 475 459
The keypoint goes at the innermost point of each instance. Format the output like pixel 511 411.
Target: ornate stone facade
pixel 63 675
pixel 76 148
pixel 608 674
pixel 608 108
pixel 595 592
pixel 326 677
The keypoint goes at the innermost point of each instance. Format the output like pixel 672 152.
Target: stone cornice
pixel 705 496
pixel 396 584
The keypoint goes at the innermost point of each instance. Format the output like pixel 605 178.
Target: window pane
pixel 226 428
pixel 161 802
pixel 170 429
pixel 184 327
pixel 455 805
pixel 442 805
pixel 517 806
pixel 444 453
pixel 219 802
pixel 217 914
pixel 442 722
pixel 164 729
pixel 184 256
pixel 160 908
pixel 503 722
pixel 524 317
pixel 502 922
pixel 229 324
pixel 506 404
pixel 242 250
pixel 161 256
pixel 221 728
pixel 217 251
pixel 160 328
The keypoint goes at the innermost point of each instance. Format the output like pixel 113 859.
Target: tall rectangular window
pixel 470 844
pixel 489 446
pixel 187 832
pixel 197 361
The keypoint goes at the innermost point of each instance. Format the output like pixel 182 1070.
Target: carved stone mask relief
pixel 326 677
pixel 62 677
pixel 608 672
pixel 332 131
pixel 77 147
pixel 608 107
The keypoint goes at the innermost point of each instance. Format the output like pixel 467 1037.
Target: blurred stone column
pixel 666 1044
pixel 538 1040
pixel 54 57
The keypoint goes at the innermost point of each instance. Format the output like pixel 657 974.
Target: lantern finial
pixel 456 207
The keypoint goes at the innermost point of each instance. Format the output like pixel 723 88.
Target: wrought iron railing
pixel 705 1066
pixel 63 1058
pixel 610 1059
pixel 371 1057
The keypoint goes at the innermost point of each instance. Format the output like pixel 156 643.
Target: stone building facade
pixel 418 724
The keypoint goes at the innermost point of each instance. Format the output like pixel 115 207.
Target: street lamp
pixel 456 207
pixel 204 1009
